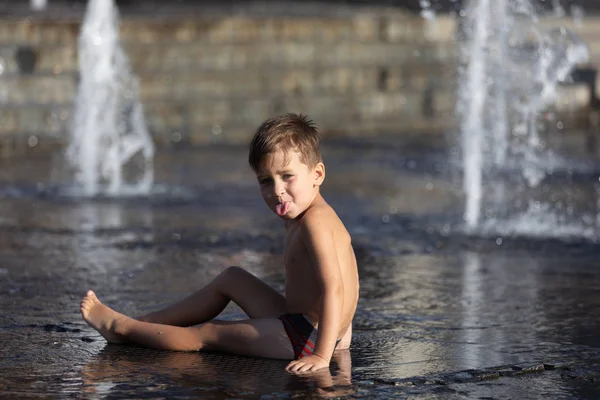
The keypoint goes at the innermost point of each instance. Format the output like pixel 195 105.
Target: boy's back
pixel 303 287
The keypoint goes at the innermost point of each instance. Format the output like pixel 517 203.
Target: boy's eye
pixel 286 176
pixel 264 181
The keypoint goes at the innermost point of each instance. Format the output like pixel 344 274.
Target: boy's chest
pixel 294 254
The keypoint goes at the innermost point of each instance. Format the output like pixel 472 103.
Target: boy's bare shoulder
pixel 322 218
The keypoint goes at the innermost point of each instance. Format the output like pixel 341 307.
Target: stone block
pixel 402 29
pixel 409 29
pixel 197 57
pixel 25 31
pixel 31 120
pixel 378 105
pixel 38 120
pixel 39 90
pixel 58 120
pixel 229 134
pixel 199 86
pixel 419 77
pixel 366 28
pixel 59 33
pixel 243 30
pixel 442 29
pixel 8 62
pixel 250 112
pixel 444 101
pixel 164 119
pixel 57 60
pixel 298 30
pixel 346 80
pixel 248 30
pixel 291 81
pixel 9 121
pixel 280 54
pixel 142 32
pixel 219 113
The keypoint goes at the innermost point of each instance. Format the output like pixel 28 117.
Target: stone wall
pixel 214 80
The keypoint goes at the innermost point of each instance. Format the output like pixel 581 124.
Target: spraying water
pixel 510 75
pixel 111 149
pixel 38 5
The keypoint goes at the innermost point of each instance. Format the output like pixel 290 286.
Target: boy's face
pixel 287 185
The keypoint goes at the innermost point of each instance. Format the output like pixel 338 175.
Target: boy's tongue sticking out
pixel 282 208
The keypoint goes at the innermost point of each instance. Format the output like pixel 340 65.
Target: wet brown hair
pixel 287 132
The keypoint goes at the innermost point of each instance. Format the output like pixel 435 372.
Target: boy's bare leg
pixel 346 339
pixel 262 337
pixel 255 297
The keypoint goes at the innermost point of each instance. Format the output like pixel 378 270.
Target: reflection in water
pixel 472 300
pixel 92 217
pixel 97 219
pixel 500 306
pixel 426 307
pixel 205 375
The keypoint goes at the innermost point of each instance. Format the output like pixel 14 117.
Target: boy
pixel 321 290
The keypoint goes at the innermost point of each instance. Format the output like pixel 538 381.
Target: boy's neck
pixel 291 222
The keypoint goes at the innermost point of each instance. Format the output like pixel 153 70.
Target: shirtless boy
pixel 313 319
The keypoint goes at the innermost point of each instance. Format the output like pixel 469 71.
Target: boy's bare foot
pixel 101 317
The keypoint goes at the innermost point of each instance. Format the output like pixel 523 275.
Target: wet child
pixel 312 319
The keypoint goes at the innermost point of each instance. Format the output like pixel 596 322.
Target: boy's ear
pixel 319 173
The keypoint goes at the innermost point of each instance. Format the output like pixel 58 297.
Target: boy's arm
pixel 319 242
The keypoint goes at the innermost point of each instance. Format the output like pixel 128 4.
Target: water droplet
pixel 428 14
pixel 385 218
pixel 217 130
pixel 499 241
pixel 176 137
pixel 176 236
pixel 32 141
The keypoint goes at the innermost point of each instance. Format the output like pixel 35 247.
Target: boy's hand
pixel 307 364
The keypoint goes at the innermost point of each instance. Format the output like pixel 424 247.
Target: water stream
pixel 111 150
pixel 512 67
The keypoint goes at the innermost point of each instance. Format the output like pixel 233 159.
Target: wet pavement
pixel 442 314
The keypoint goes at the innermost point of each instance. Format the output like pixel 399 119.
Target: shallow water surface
pixel 442 314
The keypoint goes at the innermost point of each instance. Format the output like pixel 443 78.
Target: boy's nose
pixel 279 190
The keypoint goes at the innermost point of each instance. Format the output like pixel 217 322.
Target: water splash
pixel 111 149
pixel 38 5
pixel 511 71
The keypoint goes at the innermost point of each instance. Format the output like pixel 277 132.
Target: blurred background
pixel 212 71
pixel 460 140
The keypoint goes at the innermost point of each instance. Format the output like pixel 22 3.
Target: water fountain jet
pixel 111 150
pixel 510 75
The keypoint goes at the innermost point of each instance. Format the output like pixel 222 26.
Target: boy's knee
pixel 232 272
